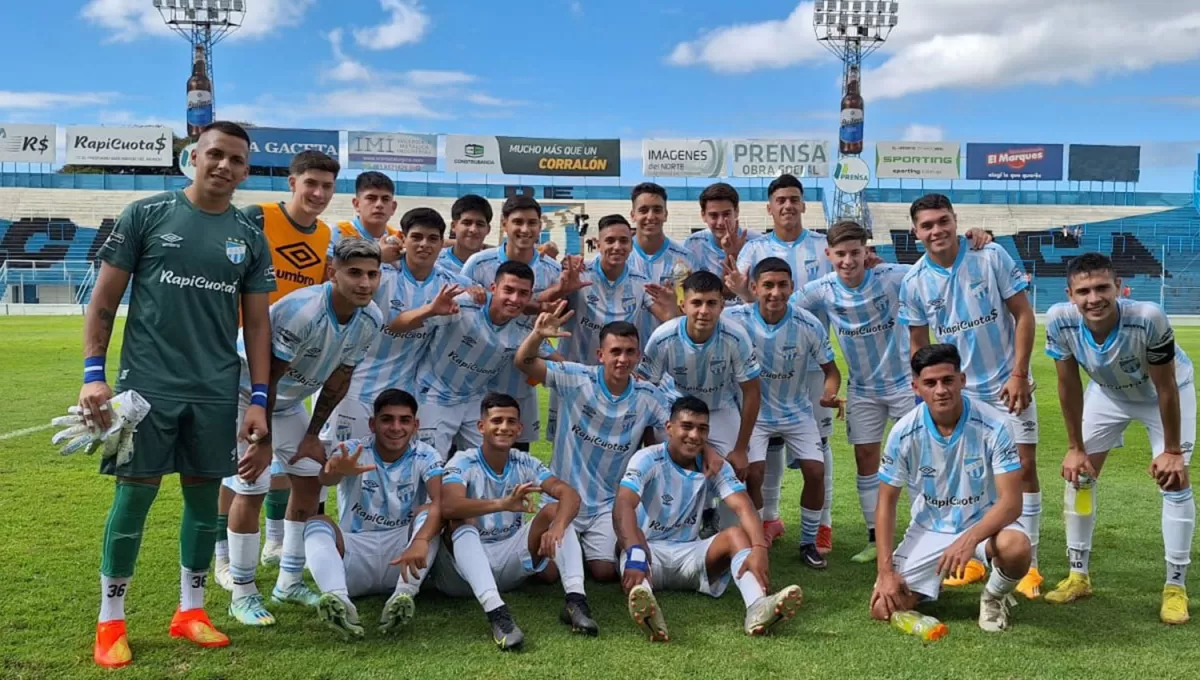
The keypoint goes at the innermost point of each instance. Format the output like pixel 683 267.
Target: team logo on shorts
pixel 235 250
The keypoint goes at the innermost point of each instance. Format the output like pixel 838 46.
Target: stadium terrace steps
pixel 1009 219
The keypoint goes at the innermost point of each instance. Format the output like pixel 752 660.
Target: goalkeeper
pixel 194 260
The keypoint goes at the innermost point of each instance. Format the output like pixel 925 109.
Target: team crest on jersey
pixel 812 267
pixel 1130 364
pixel 235 250
pixel 789 352
pixel 880 303
pixel 978 288
pixel 717 366
pixel 405 493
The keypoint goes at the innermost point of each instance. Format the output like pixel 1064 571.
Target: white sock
pixel 413 585
pixel 1079 515
pixel 1178 523
pixel 472 564
pixel 326 565
pixel 1031 520
pixel 191 588
pixel 275 530
pixel 810 521
pixel 772 486
pixel 569 558
pixel 243 560
pixel 221 549
pixel 868 497
pixel 827 510
pixel 291 560
pixel 999 585
pixel 112 597
pixel 749 586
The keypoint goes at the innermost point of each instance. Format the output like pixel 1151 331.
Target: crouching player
pixel 657 517
pixel 957 457
pixel 486 493
pixel 1138 374
pixel 388 491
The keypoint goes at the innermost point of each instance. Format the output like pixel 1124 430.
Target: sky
pixel 1013 71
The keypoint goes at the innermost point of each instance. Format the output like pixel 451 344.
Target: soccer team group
pixel 683 378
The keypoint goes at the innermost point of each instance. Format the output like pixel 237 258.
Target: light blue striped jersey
pixel 481 268
pixel 964 306
pixel 864 319
pixel 673 498
pixel 387 497
pixel 706 254
pixel 712 372
pixel 597 430
pixel 448 261
pixel 305 333
pixel 784 349
pixel 951 480
pixel 469 353
pixel 1143 336
pixel 672 262
pixel 470 469
pixel 603 302
pixel 394 358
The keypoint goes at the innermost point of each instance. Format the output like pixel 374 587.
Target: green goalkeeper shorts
pixel 197 440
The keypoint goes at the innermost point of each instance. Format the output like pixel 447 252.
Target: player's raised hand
pixel 1169 470
pixel 551 539
pixel 757 564
pixel 413 559
pixel 549 249
pixel 978 238
pixel 310 447
pixel 733 240
pixel 713 462
pixel 443 303
pixel 255 460
pixel 391 247
pixel 549 324
pixel 478 294
pixel 572 275
pixel 872 260
pixel 1076 464
pixel 734 279
pixel 1017 394
pixel 956 556
pixel 93 401
pixel 346 464
pixel 518 500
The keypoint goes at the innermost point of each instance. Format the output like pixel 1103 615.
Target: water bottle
pixel 915 623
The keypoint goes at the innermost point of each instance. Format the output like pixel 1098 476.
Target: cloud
pixel 345 69
pixel 923 133
pixel 407 24
pixel 10 100
pixel 424 78
pixel 383 101
pixel 127 118
pixel 131 19
pixel 576 8
pixel 942 44
pixel 480 99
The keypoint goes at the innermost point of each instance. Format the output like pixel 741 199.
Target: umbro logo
pixel 667 499
pixel 927 471
pixel 300 255
pixel 171 240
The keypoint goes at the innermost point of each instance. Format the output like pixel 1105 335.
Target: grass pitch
pixel 54 510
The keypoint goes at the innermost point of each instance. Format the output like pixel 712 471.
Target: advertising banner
pixel 150 145
pixel 274 147
pixel 1015 161
pixel 27 143
pixel 683 157
pixel 1092 163
pixel 851 174
pixel 533 156
pixel 392 151
pixel 917 160
pixel 773 157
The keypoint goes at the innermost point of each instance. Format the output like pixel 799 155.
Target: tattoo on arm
pixel 331 395
pixel 107 318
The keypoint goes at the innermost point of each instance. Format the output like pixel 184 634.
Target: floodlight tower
pixel 203 23
pixel 852 29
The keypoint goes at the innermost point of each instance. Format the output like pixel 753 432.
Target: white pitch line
pixel 22 432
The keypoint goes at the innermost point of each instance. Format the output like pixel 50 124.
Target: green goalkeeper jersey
pixel 189 270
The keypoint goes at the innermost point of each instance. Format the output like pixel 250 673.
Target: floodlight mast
pixel 203 23
pixel 851 30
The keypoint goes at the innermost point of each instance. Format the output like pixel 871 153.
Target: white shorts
pixel 597 537
pixel 1024 424
pixel 369 554
pixel 723 425
pixel 1105 420
pixel 287 429
pixel 511 562
pixel 917 556
pixel 816 390
pixel 866 417
pixel 531 419
pixel 350 420
pixel 802 441
pixel 681 566
pixel 447 428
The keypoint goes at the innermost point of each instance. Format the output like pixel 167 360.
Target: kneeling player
pixel 486 495
pixel 389 518
pixel 1137 374
pixel 957 457
pixel 665 485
